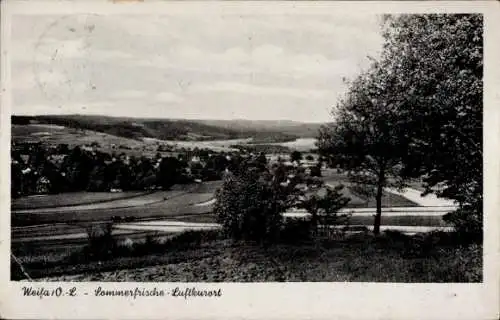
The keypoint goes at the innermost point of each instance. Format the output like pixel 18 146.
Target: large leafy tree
pixel 418 110
pixel 365 137
pixel 295 156
pixel 169 172
pixel 438 60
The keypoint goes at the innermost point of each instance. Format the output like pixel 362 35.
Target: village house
pixel 42 185
pixel 87 148
pixel 195 159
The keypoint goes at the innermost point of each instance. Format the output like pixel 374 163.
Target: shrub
pixel 250 203
pixel 296 156
pixel 452 264
pixel 192 238
pixel 395 236
pixel 296 231
pixel 316 171
pixel 101 244
pixel 151 244
pixel 468 223
pixel 324 212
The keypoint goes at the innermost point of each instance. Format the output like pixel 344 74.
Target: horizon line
pixel 167 118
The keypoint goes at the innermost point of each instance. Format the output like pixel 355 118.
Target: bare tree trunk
pixel 378 198
pixel 378 215
pixel 314 222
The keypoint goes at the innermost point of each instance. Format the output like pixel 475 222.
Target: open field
pixel 157 204
pixel 388 199
pixel 401 220
pixel 120 203
pixel 179 204
pixel 54 134
pixel 195 203
pixel 409 197
pixel 45 235
pixel 429 200
pixel 190 220
pixel 69 199
pixel 397 219
pixel 35 129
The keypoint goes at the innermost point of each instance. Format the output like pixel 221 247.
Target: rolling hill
pixel 174 129
pixel 294 128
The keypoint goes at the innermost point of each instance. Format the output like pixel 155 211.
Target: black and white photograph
pixel 247 148
pixel 249 159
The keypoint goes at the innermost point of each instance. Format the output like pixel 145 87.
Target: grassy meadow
pixel 203 256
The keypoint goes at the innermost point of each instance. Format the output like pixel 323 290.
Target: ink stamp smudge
pixel 60 61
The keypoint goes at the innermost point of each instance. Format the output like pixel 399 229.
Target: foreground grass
pixel 360 258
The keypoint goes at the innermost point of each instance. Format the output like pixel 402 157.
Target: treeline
pixel 38 169
pixel 264 148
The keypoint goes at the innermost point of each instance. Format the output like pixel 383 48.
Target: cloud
pixel 128 94
pixel 266 59
pixel 50 49
pixel 249 89
pixel 23 78
pixel 167 97
pixel 137 25
pixel 51 79
pixel 108 55
pixel 67 108
pixel 22 51
pixel 217 66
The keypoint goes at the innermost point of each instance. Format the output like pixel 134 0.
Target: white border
pixel 274 300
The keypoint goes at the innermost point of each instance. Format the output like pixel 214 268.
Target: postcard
pixel 253 159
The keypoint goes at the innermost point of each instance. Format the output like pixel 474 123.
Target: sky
pixel 276 67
